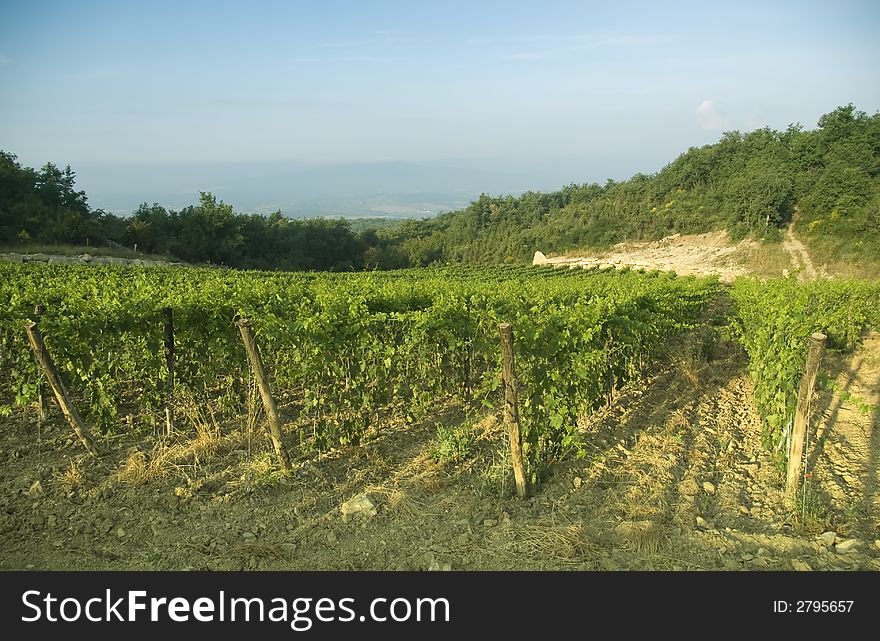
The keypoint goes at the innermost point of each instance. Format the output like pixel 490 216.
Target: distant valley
pixel 384 189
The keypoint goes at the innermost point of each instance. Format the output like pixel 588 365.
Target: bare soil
pixel 701 255
pixel 674 478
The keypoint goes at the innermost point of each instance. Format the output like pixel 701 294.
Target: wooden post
pixel 169 363
pixel 67 408
pixel 802 415
pixel 42 405
pixel 511 409
pixel 253 352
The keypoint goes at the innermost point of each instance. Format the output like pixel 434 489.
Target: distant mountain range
pixel 385 189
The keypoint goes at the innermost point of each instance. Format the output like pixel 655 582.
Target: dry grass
pixel 560 544
pixel 139 469
pixel 766 260
pixel 197 450
pixel 401 502
pixel 70 479
pixel 690 367
pixel 645 537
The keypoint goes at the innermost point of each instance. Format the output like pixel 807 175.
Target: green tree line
pixel 44 207
pixel 826 179
pixel 747 183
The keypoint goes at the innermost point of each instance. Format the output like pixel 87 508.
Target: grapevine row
pixel 342 348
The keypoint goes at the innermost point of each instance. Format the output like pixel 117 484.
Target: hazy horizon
pixel 400 108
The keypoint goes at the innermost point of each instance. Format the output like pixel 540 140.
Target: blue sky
pixel 576 90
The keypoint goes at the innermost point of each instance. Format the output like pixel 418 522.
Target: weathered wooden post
pixel 801 418
pixel 168 313
pixel 253 352
pixel 42 405
pixel 511 409
pixel 67 408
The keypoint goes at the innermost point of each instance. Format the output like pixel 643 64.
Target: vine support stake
pixel 511 409
pixel 259 370
pixel 42 405
pixel 802 415
pixel 168 313
pixel 45 360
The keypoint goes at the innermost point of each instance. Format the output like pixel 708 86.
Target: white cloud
pixel 710 117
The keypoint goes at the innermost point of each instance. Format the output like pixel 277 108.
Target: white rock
pixel 360 504
pixel 539 259
pixel 845 546
pixel 36 489
pixel 828 538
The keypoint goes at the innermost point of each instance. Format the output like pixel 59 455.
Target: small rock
pixel 703 523
pixel 120 533
pixel 358 505
pixel 248 536
pixel 845 547
pixel 828 538
pixel 36 489
pixel 877 544
pixel 578 481
pixel 490 523
pixel 708 488
pixel 800 566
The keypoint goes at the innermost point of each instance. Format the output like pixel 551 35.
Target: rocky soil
pixel 82 259
pixel 700 255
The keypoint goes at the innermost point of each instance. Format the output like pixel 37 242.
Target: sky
pixel 544 93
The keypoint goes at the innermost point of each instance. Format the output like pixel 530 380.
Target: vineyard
pixel 358 362
pixel 344 348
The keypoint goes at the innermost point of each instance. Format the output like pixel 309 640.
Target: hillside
pixel 752 184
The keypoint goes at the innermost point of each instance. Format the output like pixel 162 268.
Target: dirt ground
pixel 699 255
pixel 674 478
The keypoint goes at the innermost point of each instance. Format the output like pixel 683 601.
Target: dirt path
pixel 844 455
pixel 800 257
